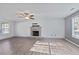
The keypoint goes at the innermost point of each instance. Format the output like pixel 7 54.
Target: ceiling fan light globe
pixel 27 18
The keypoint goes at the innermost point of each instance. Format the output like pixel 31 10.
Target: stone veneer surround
pixel 35 28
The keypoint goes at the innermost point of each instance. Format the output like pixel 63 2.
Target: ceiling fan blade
pixel 32 18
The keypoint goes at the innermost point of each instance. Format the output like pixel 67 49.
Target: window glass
pixel 75 26
pixel 0 28
pixel 5 28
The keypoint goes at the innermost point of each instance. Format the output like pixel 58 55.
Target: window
pixel 5 28
pixel 0 28
pixel 75 27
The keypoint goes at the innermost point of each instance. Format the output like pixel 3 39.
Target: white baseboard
pixel 40 37
pixel 72 42
pixel 7 38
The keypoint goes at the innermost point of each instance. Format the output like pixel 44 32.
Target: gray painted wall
pixel 68 28
pixel 50 27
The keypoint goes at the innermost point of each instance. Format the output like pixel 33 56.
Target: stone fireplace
pixel 35 30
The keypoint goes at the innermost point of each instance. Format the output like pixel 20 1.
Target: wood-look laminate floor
pixel 37 46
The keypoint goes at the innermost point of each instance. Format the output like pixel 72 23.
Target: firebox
pixel 35 33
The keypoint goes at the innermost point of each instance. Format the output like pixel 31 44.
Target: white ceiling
pixel 53 10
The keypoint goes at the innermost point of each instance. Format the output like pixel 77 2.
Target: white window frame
pixel 2 29
pixel 73 33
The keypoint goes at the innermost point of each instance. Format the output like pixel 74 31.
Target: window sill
pixel 4 33
pixel 75 36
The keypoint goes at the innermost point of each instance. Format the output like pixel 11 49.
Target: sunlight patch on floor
pixel 41 47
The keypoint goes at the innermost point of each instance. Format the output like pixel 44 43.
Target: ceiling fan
pixel 25 14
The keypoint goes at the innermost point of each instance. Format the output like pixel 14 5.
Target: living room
pixel 39 29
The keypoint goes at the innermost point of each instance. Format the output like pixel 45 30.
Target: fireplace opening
pixel 35 33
